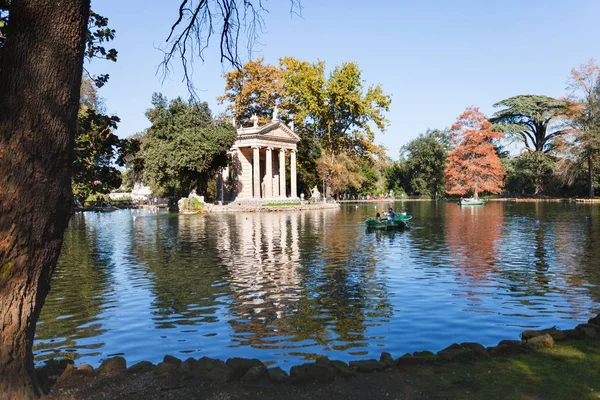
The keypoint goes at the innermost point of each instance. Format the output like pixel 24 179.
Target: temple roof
pixel 274 130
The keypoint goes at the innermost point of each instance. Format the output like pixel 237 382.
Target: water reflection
pixel 72 313
pixel 473 235
pixel 285 287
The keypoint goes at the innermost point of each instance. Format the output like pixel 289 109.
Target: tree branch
pixel 191 33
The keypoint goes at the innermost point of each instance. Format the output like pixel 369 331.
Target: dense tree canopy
pixel 423 163
pixel 529 119
pixel 184 147
pixel 254 89
pixel 473 165
pixel 332 113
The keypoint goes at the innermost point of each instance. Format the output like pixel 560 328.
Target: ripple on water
pixel 286 287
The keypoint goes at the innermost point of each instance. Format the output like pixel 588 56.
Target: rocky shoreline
pixel 62 377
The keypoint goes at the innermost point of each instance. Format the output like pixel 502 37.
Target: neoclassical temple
pixel 257 163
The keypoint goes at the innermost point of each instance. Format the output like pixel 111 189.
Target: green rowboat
pixel 470 202
pixel 398 222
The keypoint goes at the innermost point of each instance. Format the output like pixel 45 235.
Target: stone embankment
pixel 249 207
pixel 323 370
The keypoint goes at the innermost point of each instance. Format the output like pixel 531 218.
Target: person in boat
pixel 391 214
pixel 461 199
pixel 378 218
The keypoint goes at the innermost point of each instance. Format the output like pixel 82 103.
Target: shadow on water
pixel 286 287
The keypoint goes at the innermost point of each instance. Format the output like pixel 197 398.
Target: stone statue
pixel 254 119
pixel 315 194
pixel 275 113
pixel 291 125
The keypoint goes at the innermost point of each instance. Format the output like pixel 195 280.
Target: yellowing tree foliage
pixel 473 166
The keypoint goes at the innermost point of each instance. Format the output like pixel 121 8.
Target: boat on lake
pixel 398 222
pixel 470 202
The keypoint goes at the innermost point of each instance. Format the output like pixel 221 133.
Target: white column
pixel 294 192
pixel 268 173
pixel 282 173
pixel 256 170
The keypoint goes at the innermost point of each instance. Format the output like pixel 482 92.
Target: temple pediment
pixel 275 130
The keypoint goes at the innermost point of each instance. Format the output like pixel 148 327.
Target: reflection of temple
pixel 264 254
pixel 257 163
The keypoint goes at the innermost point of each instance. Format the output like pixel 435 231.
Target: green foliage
pixel 394 176
pixel 97 35
pixel 193 204
pixel 369 185
pixel 530 173
pixel 528 118
pixel 183 148
pixel 97 151
pixel 424 162
pixel 96 146
pixel 339 110
pixel 420 171
pixel 309 152
pixel 332 114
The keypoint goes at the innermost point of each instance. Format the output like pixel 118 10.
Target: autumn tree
pixel 332 113
pixel 345 174
pixel 254 89
pixel 339 110
pixel 584 85
pixel 473 165
pixel 41 66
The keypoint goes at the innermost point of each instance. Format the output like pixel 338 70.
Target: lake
pixel 287 287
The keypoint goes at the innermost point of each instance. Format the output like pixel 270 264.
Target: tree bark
pixel 590 162
pixel 40 76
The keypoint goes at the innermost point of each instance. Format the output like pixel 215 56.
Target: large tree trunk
pixel 40 76
pixel 590 162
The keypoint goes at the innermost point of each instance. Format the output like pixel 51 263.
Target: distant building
pixel 257 163
pixel 139 192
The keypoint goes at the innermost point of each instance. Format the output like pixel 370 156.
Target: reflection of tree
pixel 80 290
pixel 178 254
pixel 577 248
pixel 430 238
pixel 473 233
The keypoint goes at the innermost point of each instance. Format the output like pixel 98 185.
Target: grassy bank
pixel 569 370
pixel 295 203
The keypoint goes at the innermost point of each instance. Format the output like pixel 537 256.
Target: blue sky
pixel 434 57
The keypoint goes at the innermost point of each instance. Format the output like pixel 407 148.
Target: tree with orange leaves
pixel 473 166
pixel 584 85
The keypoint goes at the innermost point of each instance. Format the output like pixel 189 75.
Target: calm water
pixel 285 287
